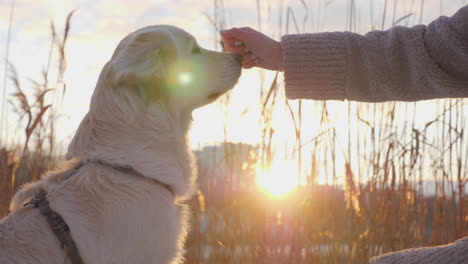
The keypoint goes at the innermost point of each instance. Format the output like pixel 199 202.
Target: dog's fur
pixel 139 116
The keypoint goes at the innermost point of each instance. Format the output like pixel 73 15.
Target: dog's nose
pixel 238 58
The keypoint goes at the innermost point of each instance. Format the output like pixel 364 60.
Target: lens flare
pixel 185 78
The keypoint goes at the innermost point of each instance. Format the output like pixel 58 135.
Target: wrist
pixel 280 60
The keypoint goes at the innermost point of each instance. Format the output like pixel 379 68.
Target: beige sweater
pixel 454 253
pixel 401 64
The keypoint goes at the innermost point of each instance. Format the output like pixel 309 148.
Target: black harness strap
pixel 128 169
pixel 58 225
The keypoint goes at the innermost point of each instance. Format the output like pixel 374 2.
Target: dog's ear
pixel 138 63
pixel 135 62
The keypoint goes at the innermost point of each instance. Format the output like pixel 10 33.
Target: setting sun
pixel 280 179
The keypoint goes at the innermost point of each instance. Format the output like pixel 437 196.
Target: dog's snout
pixel 238 58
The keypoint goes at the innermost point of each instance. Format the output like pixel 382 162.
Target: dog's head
pixel 165 63
pixel 141 108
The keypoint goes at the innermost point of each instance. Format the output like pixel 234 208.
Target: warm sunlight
pixel 234 131
pixel 280 179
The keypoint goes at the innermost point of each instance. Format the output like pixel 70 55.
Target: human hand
pixel 256 48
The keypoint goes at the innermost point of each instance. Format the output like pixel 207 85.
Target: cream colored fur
pixel 139 116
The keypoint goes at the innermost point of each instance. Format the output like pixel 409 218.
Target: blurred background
pixel 281 181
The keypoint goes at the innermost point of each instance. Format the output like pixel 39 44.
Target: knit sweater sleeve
pixel 401 64
pixel 454 253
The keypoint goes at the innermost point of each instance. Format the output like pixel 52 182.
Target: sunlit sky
pixel 98 25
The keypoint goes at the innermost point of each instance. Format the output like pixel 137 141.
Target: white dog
pixel 123 202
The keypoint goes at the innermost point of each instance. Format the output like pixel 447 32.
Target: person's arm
pixel 401 64
pixel 404 64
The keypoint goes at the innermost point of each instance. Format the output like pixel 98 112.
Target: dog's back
pixel 25 238
pixel 24 234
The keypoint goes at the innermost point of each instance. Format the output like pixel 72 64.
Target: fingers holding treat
pixel 250 60
pixel 234 46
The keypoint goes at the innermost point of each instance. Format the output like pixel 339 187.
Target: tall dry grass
pixel 29 154
pixel 367 192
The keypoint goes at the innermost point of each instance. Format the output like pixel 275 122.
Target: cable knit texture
pixel 401 64
pixel 454 253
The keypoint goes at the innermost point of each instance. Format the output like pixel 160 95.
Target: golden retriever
pixel 138 118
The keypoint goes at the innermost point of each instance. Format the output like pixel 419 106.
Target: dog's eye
pixel 196 50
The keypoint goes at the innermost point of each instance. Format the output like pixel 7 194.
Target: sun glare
pixel 278 180
pixel 184 78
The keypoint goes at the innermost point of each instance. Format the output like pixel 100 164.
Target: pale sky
pixel 98 25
